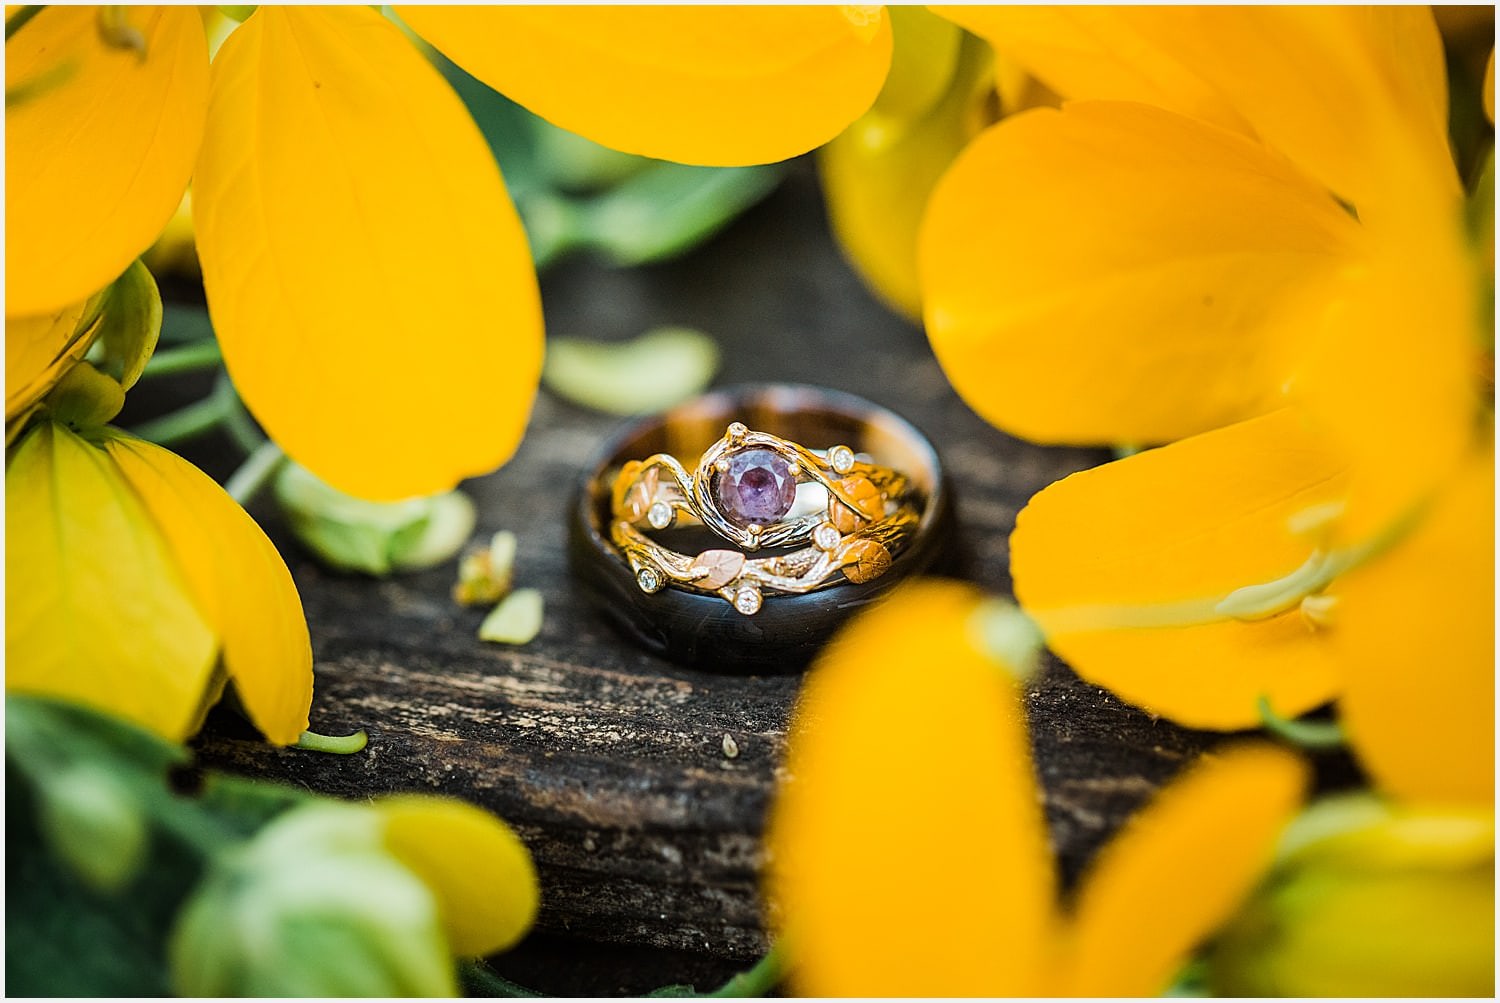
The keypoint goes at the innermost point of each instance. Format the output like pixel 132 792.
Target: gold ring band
pixel 860 515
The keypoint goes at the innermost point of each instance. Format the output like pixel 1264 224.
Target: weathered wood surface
pixel 611 763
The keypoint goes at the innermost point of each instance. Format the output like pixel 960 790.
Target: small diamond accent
pixel 841 459
pixel 826 536
pixel 659 515
pixel 648 579
pixel 747 600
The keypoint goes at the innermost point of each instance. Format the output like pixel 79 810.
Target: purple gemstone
pixel 757 488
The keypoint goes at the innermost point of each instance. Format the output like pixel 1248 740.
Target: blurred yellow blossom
pixel 1368 898
pixel 1196 248
pixel 921 867
pixel 364 266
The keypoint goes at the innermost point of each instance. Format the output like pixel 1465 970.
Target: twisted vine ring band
pixel 750 561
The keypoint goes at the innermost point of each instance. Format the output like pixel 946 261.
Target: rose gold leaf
pixel 723 567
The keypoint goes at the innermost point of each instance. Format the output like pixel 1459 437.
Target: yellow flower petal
pixel 97 161
pixel 1178 870
pixel 238 578
pixel 1117 273
pixel 368 279
pixel 96 610
pixel 1123 567
pixel 1415 629
pixel 700 85
pixel 909 855
pixel 476 867
pixel 1095 52
pixel 1325 86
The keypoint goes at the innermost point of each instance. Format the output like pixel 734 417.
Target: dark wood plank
pixel 610 763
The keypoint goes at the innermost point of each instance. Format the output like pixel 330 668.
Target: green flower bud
pixel 1369 899
pixel 314 905
pixel 378 538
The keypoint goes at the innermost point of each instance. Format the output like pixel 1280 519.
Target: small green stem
pixel 189 358
pixel 757 981
pixel 1314 736
pixel 246 482
pixel 185 423
pixel 343 745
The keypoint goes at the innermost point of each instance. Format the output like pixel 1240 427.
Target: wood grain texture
pixel 611 763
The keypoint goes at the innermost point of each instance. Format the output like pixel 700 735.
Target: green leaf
pixel 63 938
pixel 574 163
pixel 130 326
pixel 94 824
pixel 669 208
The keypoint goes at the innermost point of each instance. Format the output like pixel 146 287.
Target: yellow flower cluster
pixel 1241 238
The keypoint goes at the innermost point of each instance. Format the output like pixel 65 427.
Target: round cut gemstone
pixel 659 515
pixel 747 600
pixel 757 489
pixel 841 459
pixel 826 536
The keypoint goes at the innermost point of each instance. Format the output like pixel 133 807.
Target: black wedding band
pixel 704 631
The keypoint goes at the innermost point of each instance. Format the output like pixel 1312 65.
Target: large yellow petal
pixel 368 279
pixel 96 610
pixel 1096 52
pixel 909 855
pixel 1415 636
pixel 1326 86
pixel 1123 566
pixel 1116 273
pixel 477 868
pixel 238 579
pixel 98 157
pixel 700 85
pixel 1178 870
